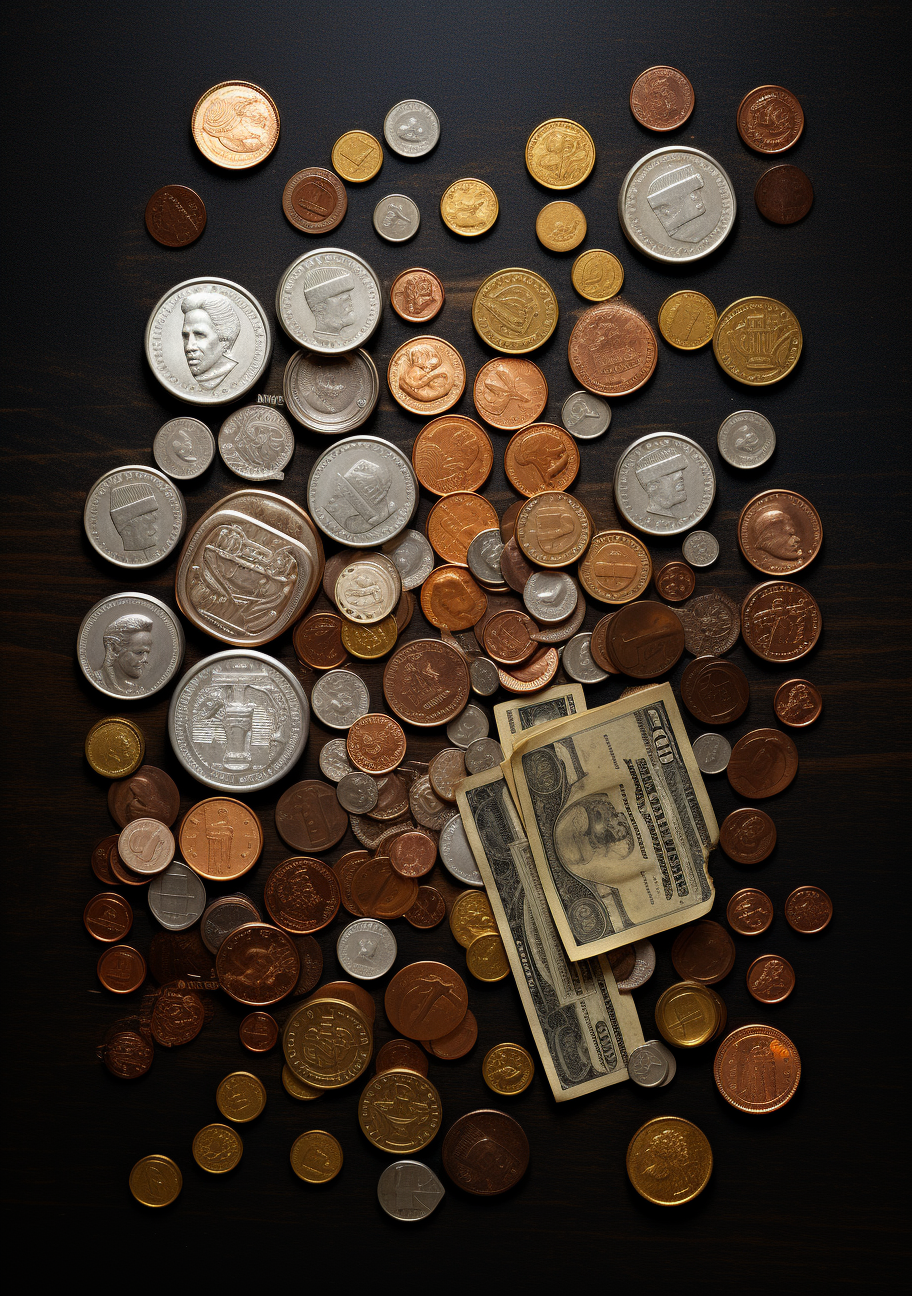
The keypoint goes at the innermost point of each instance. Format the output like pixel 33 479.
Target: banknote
pixel 583 1026
pixel 619 821
pixel 516 717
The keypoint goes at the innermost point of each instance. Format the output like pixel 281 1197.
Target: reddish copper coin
pixel 797 703
pixel 428 910
pixel 675 581
pixel 533 675
pixel 757 1069
pixel 309 818
pixel 376 743
pixel 150 793
pixel 425 1001
pixel 770 119
pixel 749 912
pixel 808 910
pixel 175 216
pixel 381 891
pixel 108 917
pixel 175 956
pixel 515 566
pixel 452 453
pixel 416 295
pixel 258 1032
pixel 101 860
pixel 412 854
pixel 645 639
pixel 178 1016
pixel 220 838
pixel 715 690
pixel 345 869
pixel 121 969
pixel 780 621
pixel 349 993
pixel 401 1055
pixel 455 521
pixel 451 599
pixel 317 641
pixel 598 646
pixel 507 637
pixel 612 349
pixel 543 457
pixel 446 771
pixel 127 1055
pixel 747 836
pixel 763 763
pixel 784 195
pixel 302 895
pixel 486 1152
pixel 703 952
pixel 426 682
pixel 779 532
pixel 314 200
pixel 510 392
pixel 496 603
pixel 770 979
pixel 661 98
pixel 508 521
pixel 310 956
pixel 257 964
pixel 459 1042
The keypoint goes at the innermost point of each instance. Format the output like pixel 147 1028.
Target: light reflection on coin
pixel 713 753
pixel 413 557
pixel 578 663
pixel 484 676
pixel 256 443
pixel 396 218
pixel 334 762
pixel 130 645
pixel 664 484
pixel 339 698
pixel 411 128
pixel 700 548
pixel 177 897
pixel 329 300
pixel 483 754
pixel 746 439
pixel 366 949
pixel 470 725
pixel 134 516
pixel 331 394
pixel 585 415
pixel 408 1190
pixel 677 204
pixel 362 491
pixel 357 792
pixel 456 853
pixel 183 448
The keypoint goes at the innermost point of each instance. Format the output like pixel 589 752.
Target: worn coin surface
pixel 417 295
pixel 428 910
pixel 507 1069
pixel 316 1157
pixel 256 443
pixel 712 623
pixel 177 897
pixel 597 275
pixel 357 156
pixel 156 1181
pixel 108 917
pixel 115 747
pixel 560 226
pixel 376 743
pixel 130 646
pixel 134 516
pixel 235 125
pixel 645 639
pixel 401 1055
pixel 127 1055
pixel 483 754
pixel 749 912
pixel 175 216
pixel 560 153
pixel 314 200
pixel 317 641
pixel 713 752
pixel 357 792
pixel 456 853
pixel 784 195
pixel 396 218
pixel 308 816
pixel 426 682
pixel 366 949
pixel 217 1148
pixel 585 416
pixel 578 662
pixel 334 762
pixel 240 1097
pixel 178 1016
pixel 258 1032
pixel 686 1014
pixel 669 1161
pixel 553 529
pixel 427 807
pixel 647 1065
pixel 339 697
pixel 746 439
pixel 409 1190
pixel 426 1000
pixel 302 895
pixel 779 532
pixel 703 951
pixel 677 204
pixel 483 557
pixel 687 320
pixel 469 207
pixel 221 839
pixel 700 548
pixel 331 394
pixel 714 690
pixel 662 98
pixel 368 589
pixel 298 1088
pixel 675 581
pixel 329 301
pixel 510 393
pixel 380 891
pixel 400 1111
pixel 412 556
pixel 412 854
pixel 486 958
pixel 467 1152
pixel 543 457
pixel 757 1069
pixel 257 964
pixel 514 310
pixel 770 119
pixel 121 969
pixel 612 350
pixel 757 341
pixel 808 909
pixel 362 491
pixel 763 763
pixel 469 726
pixel 780 621
pixel 664 484
pixel 411 128
pixel 747 835
pixel 797 703
pixel 183 448
pixel 550 596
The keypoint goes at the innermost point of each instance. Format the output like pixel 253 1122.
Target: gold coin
pixel 115 747
pixel 298 1088
pixel 471 916
pixel 508 1069
pixel 400 1111
pixel 757 341
pixel 514 310
pixel 687 1014
pixel 357 156
pixel 487 959
pixel 240 1097
pixel 370 641
pixel 597 275
pixel 217 1148
pixel 316 1157
pixel 469 207
pixel 156 1181
pixel 687 320
pixel 235 125
pixel 669 1161
pixel 327 1043
pixel 560 153
pixel 561 226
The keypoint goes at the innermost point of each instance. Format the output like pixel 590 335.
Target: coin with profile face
pixel 130 645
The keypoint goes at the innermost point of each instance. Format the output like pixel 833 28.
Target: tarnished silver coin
pixel 672 1063
pixel 409 1190
pixel 413 556
pixel 456 853
pixel 366 948
pixel 471 724
pixel 713 752
pixel 367 591
pixel 483 754
pixel 677 204
pixel 647 1066
pixel 746 439
pixel 357 792
pixel 334 762
pixel 664 484
pixel 643 968
pixel 224 916
pixel 577 661
pixel 566 629
pixel 183 448
pixel 362 491
pixel 411 128
pixel 208 341
pixel 329 301
pixel 332 394
pixel 371 834
pixel 396 218
pixel 484 556
pixel 177 897
pixel 256 443
pixel 483 676
pixel 427 807
pixel 130 645
pixel 339 698
pixel 238 721
pixel 585 416
pixel 701 549
pixel 134 516
pixel 550 596
pixel 146 846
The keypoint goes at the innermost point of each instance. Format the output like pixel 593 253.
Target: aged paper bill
pixel 516 717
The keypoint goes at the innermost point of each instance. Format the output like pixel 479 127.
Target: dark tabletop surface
pixel 99 104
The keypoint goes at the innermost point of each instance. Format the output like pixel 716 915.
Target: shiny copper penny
pixel 127 1055
pixel 808 909
pixel 747 835
pixel 779 532
pixel 314 200
pixel 712 623
pixel 780 621
pixel 757 1069
pixel 302 895
pixel 645 639
pixel 178 1017
pixel 175 216
pixel 412 854
pixel 507 637
pixel 345 869
pixel 349 993
pixel 797 703
pixel 451 599
pixel 376 743
pixel 553 529
pixel 486 1152
pixel 428 910
pixel 108 917
pixel 121 969
pixel 770 119
pixel 770 979
pixel 425 1001
pixel 381 891
pixel 543 457
pixel 317 641
pixel 426 682
pixel 150 793
pixel 763 763
pixel 220 839
pixel 704 952
pixel 257 965
pixel 612 349
pixel 309 818
pixel 426 375
pixel 715 690
pixel 616 567
pixel 452 453
pixel 455 521
pixel 533 675
pixel 258 1032
pixel 784 195
pixel 459 1042
pixel 749 912
pixel 101 860
pixel 446 771
pixel 416 295
pixel 508 521
pixel 661 98
pixel 675 581
pixel 598 646
pixel 401 1055
pixel 510 392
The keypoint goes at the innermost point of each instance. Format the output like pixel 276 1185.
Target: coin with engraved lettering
pixel 176 216
pixel 329 301
pixel 396 218
pixel 585 416
pixel 366 949
pixel 770 119
pixel 416 295
pixel 314 200
pixel 784 195
pixel 747 835
pixel 134 516
pixel 339 698
pixel 256 443
pixel 661 98
pixel 746 439
pixel 368 590
pixel 411 128
pixel 331 394
pixel 808 909
pixel 357 792
pixel 334 762
pixel 146 846
pixel 484 676
pixel 468 727
pixel 409 1190
pixel 183 448
pixel 426 682
pixel 177 897
pixel 714 690
pixel 664 484
pixel 713 753
pixel 130 645
pixel 712 623
pixel 700 549
pixel 677 205
pixel 577 661
pixel 362 491
pixel 456 853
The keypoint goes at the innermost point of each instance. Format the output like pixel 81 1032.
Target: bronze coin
pixel 224 915
pixel 399 1055
pixel 314 200
pixel 543 457
pixel 598 646
pixel 349 993
pixel 127 1055
pixel 508 521
pixel 808 910
pixel 317 641
pixel 510 392
pixel 101 860
pixel 121 969
pixel 302 895
pixel 381 891
pixel 770 979
pixel 770 119
pixel 345 869
pixel 496 603
pixel 703 951
pixel 416 295
pixel 749 912
pixel 178 1017
pixel 459 1042
pixel 310 957
pixel 507 637
pixel 661 98
pixel 426 682
pixel 515 566
pixel 258 1032
pixel 412 854
pixel 452 454
pixel 376 743
pixel 784 194
pixel 779 532
pixel 150 793
pixel 392 798
pixel 175 216
pixel 405 610
pixel 533 675
pixel 757 1069
pixel 257 965
pixel 175 956
pixel 426 1000
pixel 675 581
pixel 309 818
pixel 108 917
pixel 780 621
pixel 714 690
pixel 763 763
pixel 451 599
pixel 428 910
pixel 645 639
pixel 486 1152
pixel 747 836
pixel 712 623
pixel 612 350
pixel 797 703
pixel 121 873
pixel 220 838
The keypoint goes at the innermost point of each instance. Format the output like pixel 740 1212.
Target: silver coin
pixel 713 752
pixel 647 1066
pixel 130 645
pixel 664 484
pixel 483 754
pixel 396 218
pixel 339 698
pixel 585 416
pixel 701 549
pixel 409 1190
pixel 456 853
pixel 746 439
pixel 564 630
pixel 484 677
pixel 238 721
pixel 366 948
pixel 550 596
pixel 224 916
pixel 146 846
pixel 357 792
pixel 134 516
pixel 177 897
pixel 426 806
pixel 183 448
pixel 411 128
pixel 578 662
pixel 256 443
pixel 208 341
pixel 643 968
pixel 367 591
pixel 362 491
pixel 672 1063
pixel 329 301
pixel 677 204
pixel 484 556
pixel 332 394
pixel 471 724
pixel 413 556
pixel 334 762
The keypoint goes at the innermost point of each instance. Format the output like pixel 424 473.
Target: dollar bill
pixel 583 1026
pixel 619 821
pixel 516 717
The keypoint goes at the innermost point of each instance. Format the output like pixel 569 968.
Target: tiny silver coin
pixel 483 754
pixel 647 1066
pixel 329 301
pixel 577 661
pixel 409 1190
pixel 183 448
pixel 339 698
pixel 146 846
pixel 746 439
pixel 367 590
pixel 677 204
pixel 411 128
pixel 331 394
pixel 471 724
pixel 643 968
pixel 366 949
pixel 334 762
pixel 224 916
pixel 713 752
pixel 134 516
pixel 426 807
pixel 550 596
pixel 396 218
pixel 483 676
pixel 177 897
pixel 456 853
pixel 585 416
pixel 362 491
pixel 701 549
pixel 256 443
pixel 130 645
pixel 357 792
pixel 664 484
pixel 413 556
pixel 484 556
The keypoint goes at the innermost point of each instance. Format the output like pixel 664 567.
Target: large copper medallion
pixel 452 453
pixel 779 532
pixel 257 964
pixel 426 682
pixel 612 349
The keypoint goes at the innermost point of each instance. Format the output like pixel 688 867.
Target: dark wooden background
pixel 98 111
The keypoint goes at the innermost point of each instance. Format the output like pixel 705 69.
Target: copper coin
pixel 543 457
pixel 258 1032
pixel 108 917
pixel 784 195
pixel 797 703
pixel 747 836
pixel 515 567
pixel 101 860
pixel 392 799
pixel 598 646
pixel 314 200
pixel 452 453
pixel 426 375
pixel 317 641
pixel 508 521
pixel 349 993
pixel 121 969
pixel 808 910
pixel 150 793
pixel 704 952
pixel 399 1055
pixel 446 771
pixel 757 1069
pixel 412 854
pixel 416 295
pixel 175 216
pixel 779 532
pixel 749 912
pixel 425 1001
pixel 257 964
pixel 309 818
pixel 302 895
pixel 616 567
pixel 178 1017
pixel 459 1042
pixel 553 529
pixel 496 603
pixel 623 961
pixel 486 1152
pixel 455 521
pixel 770 119
pixel 345 869
pixel 376 743
pixel 510 392
pixel 451 599
pixel 645 639
pixel 533 675
pixel 507 637
pixel 426 682
pixel 661 98
pixel 712 623
pixel 612 349
pixel 714 690
pixel 428 910
pixel 405 610
pixel 381 891
pixel 675 581
pixel 780 621
pixel 763 763
pixel 220 839
pixel 127 1055
pixel 310 958
pixel 770 979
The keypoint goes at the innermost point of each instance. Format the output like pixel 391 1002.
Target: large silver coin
pixel 183 448
pixel 332 394
pixel 411 128
pixel 334 762
pixel 339 698
pixel 664 484
pixel 357 792
pixel 413 557
pixel 366 949
pixel 177 897
pixel 130 645
pixel 208 341
pixel 701 549
pixel 396 218
pixel 647 1065
pixel 456 853
pixel 577 661
pixel 134 516
pixel 677 204
pixel 238 721
pixel 471 724
pixel 746 439
pixel 409 1190
pixel 329 301
pixel 713 752
pixel 550 596
pixel 256 443
pixel 362 491
pixel 585 416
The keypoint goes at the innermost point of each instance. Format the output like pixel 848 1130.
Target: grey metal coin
pixel 331 394
pixel 177 897
pixel 134 516
pixel 672 1063
pixel 256 442
pixel 224 916
pixel 746 439
pixel 483 676
pixel 677 204
pixel 426 806
pixel 396 218
pixel 372 834
pixel 366 948
pixel 713 752
pixel 411 128
pixel 334 762
pixel 483 754
pixel 585 416
pixel 339 698
pixel 578 662
pixel 484 556
pixel 550 596
pixel 183 448
pixel 564 630
pixel 367 590
pixel 357 792
pixel 130 645
pixel 329 301
pixel 643 968
pixel 362 491
pixel 701 549
pixel 456 853
pixel 208 341
pixel 664 484
pixel 471 724
pixel 238 720
pixel 146 846
pixel 409 1190
pixel 647 1066
pixel 413 556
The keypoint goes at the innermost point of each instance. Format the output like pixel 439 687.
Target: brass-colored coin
pixel 316 1157
pixel 487 959
pixel 514 311
pixel 368 642
pixel 561 226
pixel 669 1161
pixel 687 1015
pixel 553 529
pixel 471 916
pixel 400 1111
pixel 115 747
pixel 217 1148
pixel 597 275
pixel 357 156
pixel 235 125
pixel 757 341
pixel 299 1089
pixel 560 153
pixel 508 1069
pixel 687 320
pixel 156 1181
pixel 327 1043
pixel 469 207
pixel 616 567
pixel 240 1097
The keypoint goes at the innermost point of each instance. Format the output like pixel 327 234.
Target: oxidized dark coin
pixel 808 909
pixel 486 1152
pixel 101 860
pixel 177 1017
pixel 311 957
pixel 174 956
pixel 763 763
pixel 712 623
pixel 309 818
pixel 127 1055
pixel 150 793
pixel 645 639
pixel 426 682
pixel 315 200
pixel 598 645
pixel 703 952
pixel 714 690
pixel 302 895
pixel 175 216
pixel 747 835
pixel 428 910
pixel 784 194
pixel 675 581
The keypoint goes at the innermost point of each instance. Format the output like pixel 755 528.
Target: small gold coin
pixel 156 1181
pixel 669 1161
pixel 597 275
pixel 240 1097
pixel 368 642
pixel 235 125
pixel 299 1089
pixel 687 320
pixel 487 959
pixel 514 310
pixel 560 153
pixel 469 207
pixel 327 1043
pixel 508 1069
pixel 115 747
pixel 400 1111
pixel 687 1014
pixel 217 1148
pixel 316 1157
pixel 561 226
pixel 357 156
pixel 471 916
pixel 757 341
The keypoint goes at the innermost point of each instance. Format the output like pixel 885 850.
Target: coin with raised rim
pixel 757 341
pixel 314 200
pixel 469 207
pixel 763 763
pixel 585 415
pixel 510 393
pixel 770 119
pixel 784 195
pixel 808 910
pixel 156 1181
pixel 366 949
pixel 130 645
pixel 134 516
pixel 411 128
pixel 316 1156
pixel 175 216
pixel 669 1161
pixel 357 156
pixel 780 621
pixel 417 295
pixel 183 448
pixel 426 375
pixel 677 205
pixel 797 703
pixel 452 453
pixel 409 1190
pixel 664 484
pixel 612 350
pixel 217 1148
pixel 757 1069
pixel 396 218
pixel 467 1147
pixel 240 1097
pixel 747 835
pixel 327 1043
pixel 560 226
pixel 560 153
pixel 746 439
pixel 779 532
pixel 662 98
pixel 256 442
pixel 329 300
pixel 331 394
pixel 597 275
pixel 235 125
pixel 687 320
pixel 362 491
pixel 514 310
